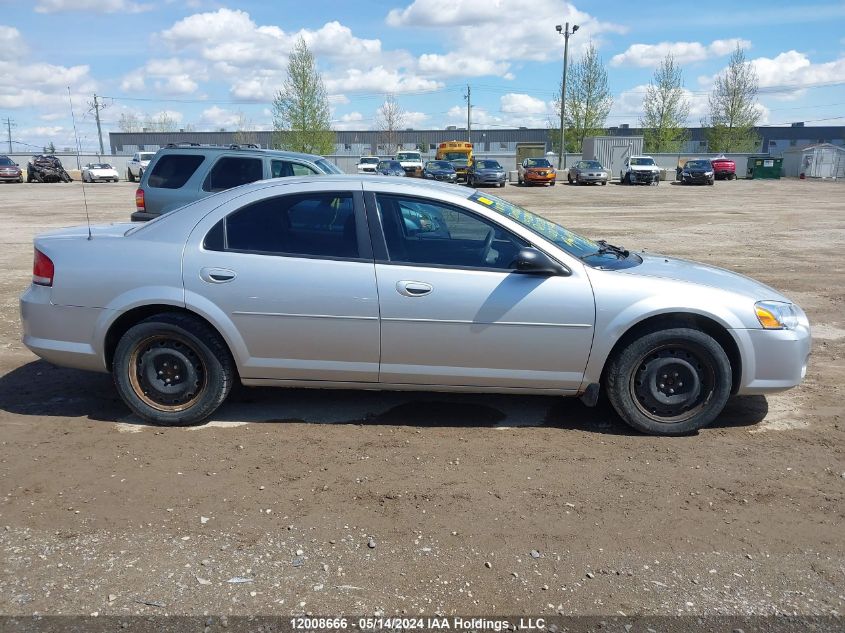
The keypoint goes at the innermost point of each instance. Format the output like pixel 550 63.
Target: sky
pixel 211 64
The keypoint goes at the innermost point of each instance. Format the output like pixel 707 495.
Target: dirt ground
pixel 474 504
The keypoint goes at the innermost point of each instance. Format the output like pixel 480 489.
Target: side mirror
pixel 531 261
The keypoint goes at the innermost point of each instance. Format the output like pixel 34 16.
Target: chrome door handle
pixel 413 288
pixel 217 275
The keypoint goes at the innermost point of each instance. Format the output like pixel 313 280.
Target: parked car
pixel 179 175
pixel 411 161
pixel 95 172
pixel 43 168
pixel 536 171
pixel 390 168
pixel 724 168
pixel 440 170
pixel 639 170
pixel 587 171
pixel 696 172
pixel 10 171
pixel 136 166
pixel 274 284
pixel 461 166
pixel 367 164
pixel 484 171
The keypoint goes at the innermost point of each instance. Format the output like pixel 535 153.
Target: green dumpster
pixel 763 167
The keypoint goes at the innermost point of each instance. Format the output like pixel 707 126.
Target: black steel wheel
pixel 670 382
pixel 173 369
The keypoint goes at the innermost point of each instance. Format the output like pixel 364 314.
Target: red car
pixel 9 170
pixel 724 168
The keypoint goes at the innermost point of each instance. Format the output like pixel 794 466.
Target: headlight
pixel 684 173
pixel 708 173
pixel 778 315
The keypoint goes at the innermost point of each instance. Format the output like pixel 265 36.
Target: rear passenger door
pixel 293 274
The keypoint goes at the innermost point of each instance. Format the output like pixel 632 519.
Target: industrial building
pixel 774 140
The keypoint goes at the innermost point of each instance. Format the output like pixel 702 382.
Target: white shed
pixel 815 161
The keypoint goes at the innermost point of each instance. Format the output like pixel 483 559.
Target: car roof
pixel 239 149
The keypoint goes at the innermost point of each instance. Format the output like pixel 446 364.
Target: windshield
pixel 487 164
pixel 146 155
pixel 327 167
pixel 571 242
pixel 408 156
pixel 697 164
pixel 537 162
pixel 642 161
pixel 438 164
pixel 369 160
pixel 589 164
pixel 100 166
pixel 455 156
pixel 6 161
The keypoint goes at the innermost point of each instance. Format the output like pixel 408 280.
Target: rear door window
pixel 310 225
pixel 233 171
pixel 285 168
pixel 172 171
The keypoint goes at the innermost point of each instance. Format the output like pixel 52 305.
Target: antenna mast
pixel 76 138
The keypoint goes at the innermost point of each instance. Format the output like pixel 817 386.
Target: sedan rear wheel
pixel 173 369
pixel 670 382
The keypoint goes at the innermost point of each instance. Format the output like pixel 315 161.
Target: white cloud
pixel 522 104
pixel 650 55
pixel 378 79
pixel 628 106
pixel 216 118
pixel 438 13
pixel 12 45
pixel 170 77
pixel 39 84
pixel 90 6
pixel 788 74
pixel 456 64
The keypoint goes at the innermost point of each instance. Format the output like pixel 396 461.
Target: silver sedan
pixel 367 282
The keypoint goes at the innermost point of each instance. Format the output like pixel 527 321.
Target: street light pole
pixel 566 33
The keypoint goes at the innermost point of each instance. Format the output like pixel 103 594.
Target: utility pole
pixel 9 132
pixel 566 33
pixel 97 107
pixel 469 110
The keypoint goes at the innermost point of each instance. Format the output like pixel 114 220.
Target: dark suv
pixel 178 175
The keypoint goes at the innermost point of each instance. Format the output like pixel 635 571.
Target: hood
pixel 644 168
pixel 440 172
pixel 490 170
pixel 693 272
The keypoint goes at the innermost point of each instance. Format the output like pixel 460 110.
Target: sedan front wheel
pixel 670 382
pixel 173 369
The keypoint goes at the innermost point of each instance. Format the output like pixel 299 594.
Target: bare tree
pixel 733 108
pixel 588 100
pixel 160 122
pixel 665 109
pixel 390 118
pixel 245 130
pixel 301 114
pixel 129 122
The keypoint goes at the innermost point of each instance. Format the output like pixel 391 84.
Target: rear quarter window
pixel 172 171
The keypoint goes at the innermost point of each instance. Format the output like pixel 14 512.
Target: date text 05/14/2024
pixel 455 623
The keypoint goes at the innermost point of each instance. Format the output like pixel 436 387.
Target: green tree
pixel 665 109
pixel 301 114
pixel 588 100
pixel 733 109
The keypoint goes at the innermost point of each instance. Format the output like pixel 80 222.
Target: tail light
pixel 42 269
pixel 139 200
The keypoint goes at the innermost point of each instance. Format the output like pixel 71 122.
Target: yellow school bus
pixel 459 153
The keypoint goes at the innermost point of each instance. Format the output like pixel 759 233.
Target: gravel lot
pixel 474 504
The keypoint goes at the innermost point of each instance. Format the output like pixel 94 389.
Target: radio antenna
pixel 78 164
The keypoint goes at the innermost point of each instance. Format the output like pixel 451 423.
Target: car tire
pixel 552 183
pixel 186 348
pixel 569 178
pixel 519 181
pixel 140 174
pixel 641 378
pixel 129 176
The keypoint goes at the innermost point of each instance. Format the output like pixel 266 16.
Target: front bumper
pixel 773 360
pixel 532 178
pixel 62 335
pixel 489 179
pixel 643 177
pixel 696 179
pixel 589 178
